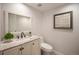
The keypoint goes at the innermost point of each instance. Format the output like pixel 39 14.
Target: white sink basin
pixel 21 38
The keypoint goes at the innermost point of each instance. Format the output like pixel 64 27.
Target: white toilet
pixel 46 48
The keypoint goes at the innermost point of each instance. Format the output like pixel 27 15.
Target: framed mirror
pixel 63 20
pixel 17 23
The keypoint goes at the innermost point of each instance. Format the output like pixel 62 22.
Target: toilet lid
pixel 46 46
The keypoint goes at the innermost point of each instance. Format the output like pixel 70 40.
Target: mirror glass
pixel 18 23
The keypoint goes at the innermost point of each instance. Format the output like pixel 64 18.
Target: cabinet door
pixel 0 53
pixel 35 48
pixel 13 51
pixel 26 49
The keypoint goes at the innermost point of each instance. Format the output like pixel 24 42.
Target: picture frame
pixel 63 20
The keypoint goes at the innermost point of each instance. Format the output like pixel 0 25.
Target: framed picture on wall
pixel 63 20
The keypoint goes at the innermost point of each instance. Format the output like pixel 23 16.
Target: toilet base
pixel 48 53
pixel 45 53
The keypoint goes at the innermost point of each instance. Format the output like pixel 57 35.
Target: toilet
pixel 46 48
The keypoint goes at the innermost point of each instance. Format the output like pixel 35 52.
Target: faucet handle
pixel 22 35
pixel 30 33
pixel 18 36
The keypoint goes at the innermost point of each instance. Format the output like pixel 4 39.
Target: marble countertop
pixel 17 42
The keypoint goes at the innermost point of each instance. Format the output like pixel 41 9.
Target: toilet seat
pixel 46 47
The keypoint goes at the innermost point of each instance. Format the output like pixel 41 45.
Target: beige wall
pixel 0 21
pixel 64 41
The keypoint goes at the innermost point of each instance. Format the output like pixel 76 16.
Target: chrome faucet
pixel 22 35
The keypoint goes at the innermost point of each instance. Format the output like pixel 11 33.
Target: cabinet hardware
pixel 33 44
pixel 21 48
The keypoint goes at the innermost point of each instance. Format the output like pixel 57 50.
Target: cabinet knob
pixel 21 48
pixel 33 43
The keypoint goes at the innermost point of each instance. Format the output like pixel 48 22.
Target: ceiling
pixel 45 6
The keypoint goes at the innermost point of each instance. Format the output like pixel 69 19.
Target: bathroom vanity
pixel 15 23
pixel 25 46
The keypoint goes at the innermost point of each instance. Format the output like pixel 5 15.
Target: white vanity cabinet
pixel 12 51
pixel 31 48
pixel 0 53
pixel 35 47
pixel 28 48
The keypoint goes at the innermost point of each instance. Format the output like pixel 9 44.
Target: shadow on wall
pixel 63 30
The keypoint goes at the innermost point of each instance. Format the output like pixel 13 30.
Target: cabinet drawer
pixel 12 51
pixel 0 53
